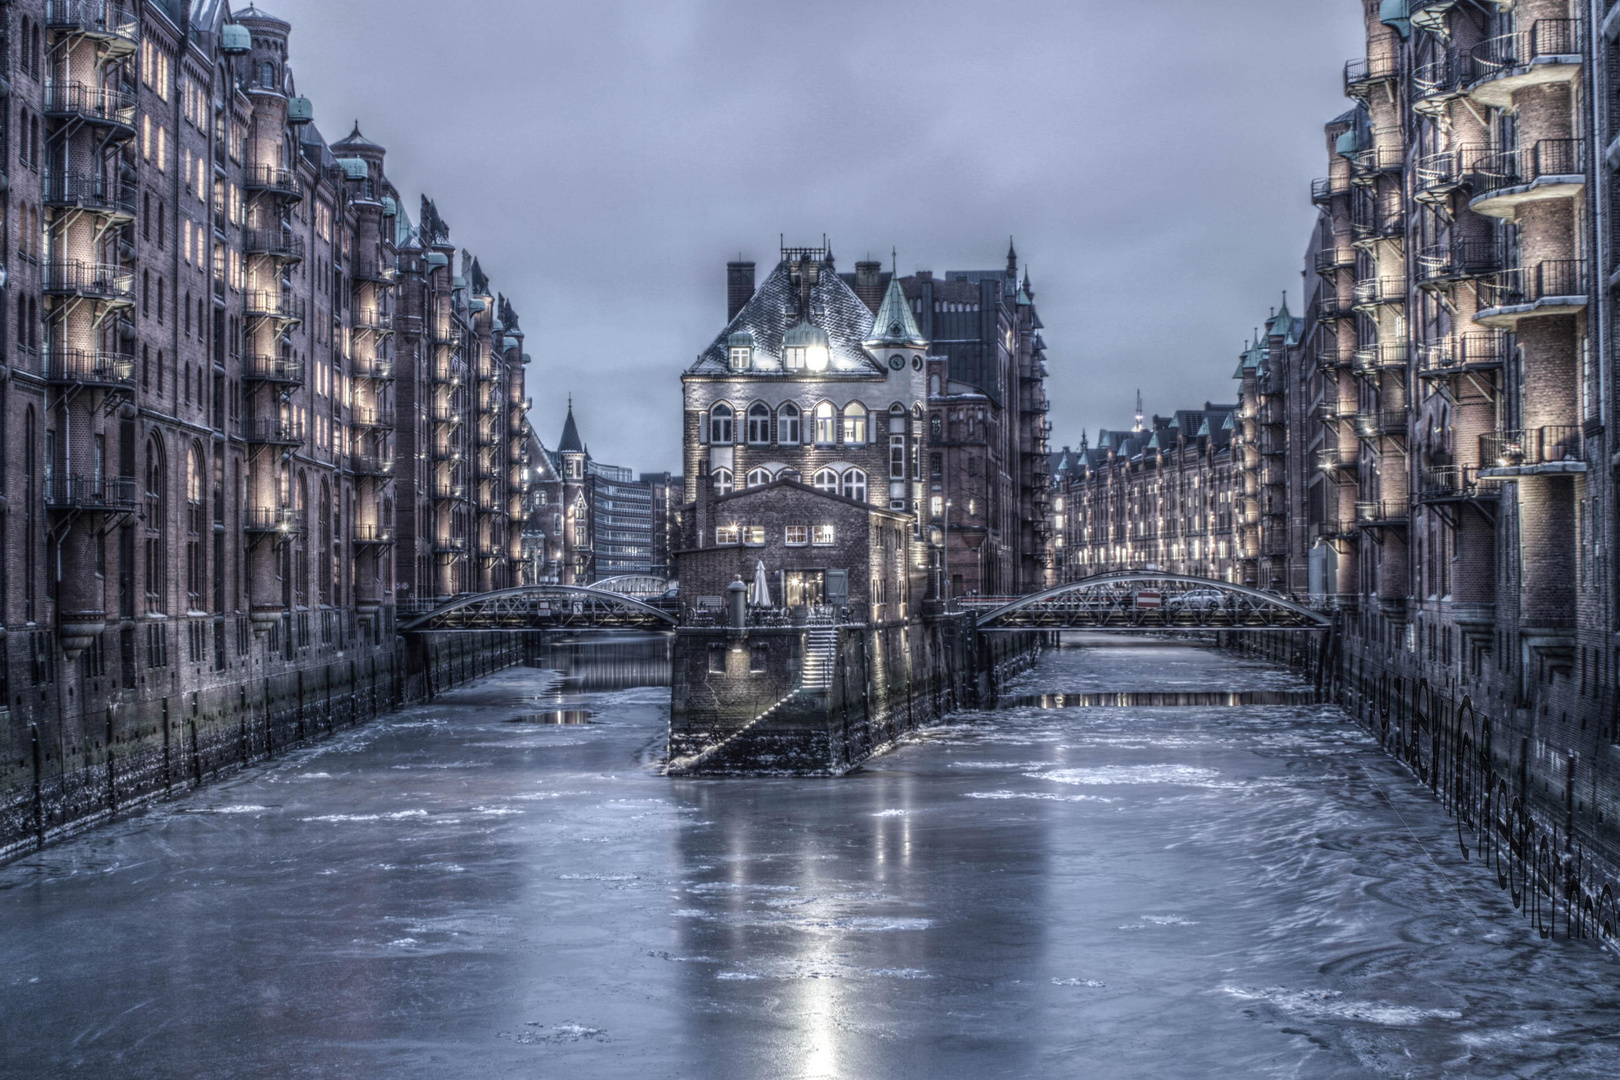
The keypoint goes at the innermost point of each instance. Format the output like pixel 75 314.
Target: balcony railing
pixel 1328 260
pixel 445 454
pixel 1329 459
pixel 108 20
pixel 1562 278
pixel 1368 164
pixel 1443 172
pixel 92 104
pixel 450 545
pixel 373 418
pixel 373 367
pixel 1332 306
pixel 1452 262
pixel 274 369
pixel 1474 350
pixel 282 520
pixel 374 321
pixel 441 413
pixel 271 178
pixel 1450 483
pixel 1373 423
pixel 1370 222
pixel 1548 158
pixel 100 281
pixel 363 464
pixel 105 493
pixel 1324 189
pixel 271 430
pixel 1516 447
pixel 1373 291
pixel 1382 512
pixel 1366 71
pixel 1545 40
pixel 375 535
pixel 1329 358
pixel 1436 81
pixel 269 304
pixel 88 367
pixel 90 191
pixel 1333 409
pixel 277 243
pixel 375 271
pixel 1381 356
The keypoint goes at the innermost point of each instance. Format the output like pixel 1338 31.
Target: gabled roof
pixel 894 324
pixel 774 308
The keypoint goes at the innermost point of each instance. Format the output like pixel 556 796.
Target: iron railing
pixel 373 418
pixel 1449 483
pixel 1325 188
pixel 277 243
pixel 270 304
pixel 362 464
pixel 106 281
pixel 271 429
pixel 92 103
pixel 1366 165
pixel 1366 71
pixel 272 519
pixel 1371 291
pixel 1460 259
pixel 90 191
pixel 107 19
pixel 91 367
pixel 276 369
pixel 1514 447
pixel 1519 168
pixel 1373 423
pixel 1476 350
pixel 1381 512
pixel 111 493
pixel 1532 284
pixel 1377 357
pixel 271 178
pixel 1546 38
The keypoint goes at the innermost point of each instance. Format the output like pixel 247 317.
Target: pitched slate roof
pixel 774 308
pixel 570 442
pixel 894 324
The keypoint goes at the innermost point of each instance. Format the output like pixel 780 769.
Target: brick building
pixel 245 408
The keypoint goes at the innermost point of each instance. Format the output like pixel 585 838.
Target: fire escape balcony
pixel 1461 353
pixel 1331 459
pixel 1369 224
pixel 1332 307
pixel 1506 180
pixel 373 419
pixel 282 370
pixel 110 22
pixel 1445 263
pixel 489 436
pixel 107 282
pixel 373 367
pixel 281 306
pixel 448 491
pixel 375 271
pixel 453 373
pixel 113 110
pixel 1333 528
pixel 372 321
pixel 1332 259
pixel 1325 189
pixel 1438 82
pixel 279 244
pixel 1553 287
pixel 1548 52
pixel 92 192
pixel 92 368
pixel 373 536
pixel 1516 452
pixel 271 180
pixel 1368 165
pixel 1330 410
pixel 445 413
pixel 1330 359
pixel 1364 73
pixel 445 454
pixel 1436 176
pixel 271 431
pixel 1452 484
pixel 450 545
pixel 272 520
pixel 1383 356
pixel 1429 15
pixel 489 470
pixel 1382 514
pixel 374 465
pixel 92 494
pixel 1371 293
pixel 1380 423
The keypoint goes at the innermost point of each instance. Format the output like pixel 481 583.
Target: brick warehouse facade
pixel 1426 451
pixel 247 408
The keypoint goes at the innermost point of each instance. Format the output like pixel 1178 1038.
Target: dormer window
pixel 806 347
pixel 740 349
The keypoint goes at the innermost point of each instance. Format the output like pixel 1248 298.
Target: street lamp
pixel 945 553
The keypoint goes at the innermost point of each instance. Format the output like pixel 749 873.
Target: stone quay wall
pixel 141 750
pixel 1539 816
pixel 740 703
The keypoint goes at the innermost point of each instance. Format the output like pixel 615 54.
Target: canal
pixel 500 884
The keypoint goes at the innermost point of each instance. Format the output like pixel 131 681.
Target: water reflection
pixel 603 661
pixel 1158 699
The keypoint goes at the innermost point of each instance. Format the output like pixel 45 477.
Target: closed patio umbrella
pixel 760 594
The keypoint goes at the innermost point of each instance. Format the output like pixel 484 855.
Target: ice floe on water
pixel 397 815
pixel 1091 983
pixel 1333 1005
pixel 891 813
pixel 1039 796
pixel 1107 775
pixel 245 809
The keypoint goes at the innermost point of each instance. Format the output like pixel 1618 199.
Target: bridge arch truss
pixel 542 607
pixel 1150 601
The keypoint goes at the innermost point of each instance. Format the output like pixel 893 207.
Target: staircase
pixel 820 657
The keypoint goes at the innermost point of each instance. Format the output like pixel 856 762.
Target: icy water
pixel 1226 891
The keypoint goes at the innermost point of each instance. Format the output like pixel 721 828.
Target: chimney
pixel 869 283
pixel 739 287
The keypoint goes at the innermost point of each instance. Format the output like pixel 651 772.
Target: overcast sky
pixel 604 158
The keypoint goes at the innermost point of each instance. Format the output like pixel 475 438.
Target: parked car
pixel 1196 600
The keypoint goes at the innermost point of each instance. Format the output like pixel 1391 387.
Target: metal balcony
pixel 1366 72
pixel 1460 353
pixel 92 192
pixel 274 520
pixel 1382 514
pixel 441 413
pixel 1333 528
pixel 1330 359
pixel 378 465
pixel 373 321
pixel 442 454
pixel 1383 356
pixel 270 179
pixel 1438 82
pixel 1529 451
pixel 1369 164
pixel 373 367
pixel 373 536
pixel 1548 52
pixel 110 22
pixel 278 244
pixel 1328 260
pixel 1430 15
pixel 374 271
pixel 1335 459
pixel 270 304
pixel 107 282
pixel 1371 292
pixel 271 431
pixel 93 105
pixel 371 419
pixel 1451 484
pixel 92 368
pixel 1332 409
pixel 1325 189
pixel 1443 263
pixel 284 370
pixel 450 545
pixel 1378 423
pixel 1332 306
pixel 489 437
pixel 1553 287
pixel 94 494
pixel 1551 169
pixel 1369 224
pixel 1436 176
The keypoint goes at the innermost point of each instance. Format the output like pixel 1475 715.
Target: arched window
pixel 827 480
pixel 759 424
pixel 855 485
pixel 787 425
pixel 196 479
pixel 826 424
pixel 327 553
pixel 933 385
pixel 722 482
pixel 936 427
pixel 758 477
pixel 720 430
pixel 790 474
pixel 854 422
pixel 157 514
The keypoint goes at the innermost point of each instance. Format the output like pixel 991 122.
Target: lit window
pixel 823 536
pixel 722 482
pixel 797 535
pixel 826 425
pixel 855 423
pixel 787 425
pixel 759 424
pixel 739 358
pixel 936 506
pixel 827 480
pixel 855 485
pixel 897 457
pixel 754 536
pixel 728 534
pixel 720 430
pixel 758 477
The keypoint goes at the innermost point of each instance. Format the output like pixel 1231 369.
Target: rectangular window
pixel 823 536
pixel 717 658
pixel 728 534
pixel 754 536
pixel 897 457
pixel 797 535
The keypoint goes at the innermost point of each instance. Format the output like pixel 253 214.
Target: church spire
pixel 570 442
pixel 894 324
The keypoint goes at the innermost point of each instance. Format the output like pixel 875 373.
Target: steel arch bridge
pixel 641 586
pixel 542 607
pixel 1148 601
